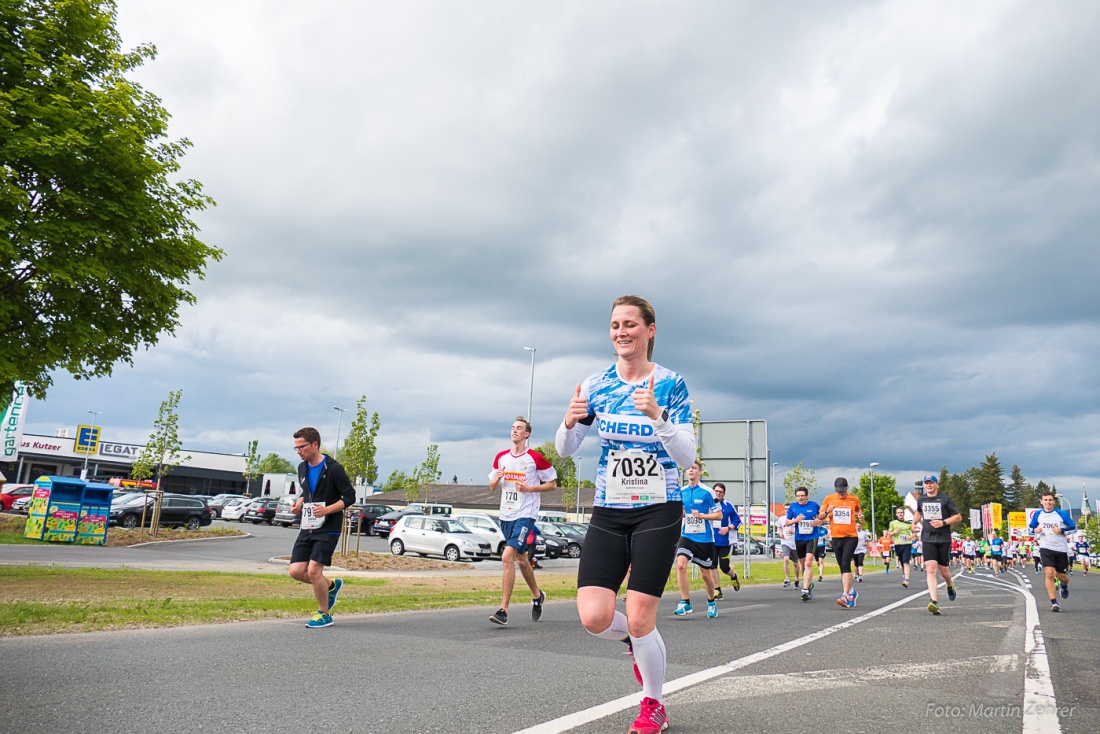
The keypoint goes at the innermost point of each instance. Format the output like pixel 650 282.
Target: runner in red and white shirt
pixel 520 474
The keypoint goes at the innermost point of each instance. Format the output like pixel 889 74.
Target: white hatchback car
pixel 437 536
pixel 486 527
pixel 234 509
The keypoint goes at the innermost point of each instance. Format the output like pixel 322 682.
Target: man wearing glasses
pixel 326 491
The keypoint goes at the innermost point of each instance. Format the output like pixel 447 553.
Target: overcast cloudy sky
pixel 873 225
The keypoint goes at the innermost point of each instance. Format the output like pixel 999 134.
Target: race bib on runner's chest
pixel 309 520
pixel 842 515
pixel 805 527
pixel 632 477
pixel 694 525
pixel 510 499
pixel 932 510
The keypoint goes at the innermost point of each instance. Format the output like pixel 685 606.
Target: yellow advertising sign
pixel 995 512
pixel 1017 520
pixel 87 440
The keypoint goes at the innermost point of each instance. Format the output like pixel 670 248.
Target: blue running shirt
pixel 622 426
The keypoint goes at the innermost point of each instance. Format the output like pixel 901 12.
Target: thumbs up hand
pixel 645 399
pixel 577 410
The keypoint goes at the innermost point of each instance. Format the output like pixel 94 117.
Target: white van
pixel 430 508
pixel 552 516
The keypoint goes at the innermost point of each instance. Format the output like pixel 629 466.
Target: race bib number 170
pixel 633 477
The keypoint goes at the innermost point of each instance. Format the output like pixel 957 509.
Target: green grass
pixel 44 600
pixel 47 600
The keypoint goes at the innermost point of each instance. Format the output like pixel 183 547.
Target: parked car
pixel 756 548
pixel 383 524
pixel 261 511
pixel 485 526
pixel 437 536
pixel 566 535
pixel 552 547
pixel 431 508
pixel 283 514
pixel 11 492
pixel 175 509
pixel 235 509
pixel 217 502
pixel 363 516
pixel 22 505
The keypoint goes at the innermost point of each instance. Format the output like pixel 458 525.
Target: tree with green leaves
pixel 1017 490
pixel 359 450
pixel 428 472
pixel 988 485
pixel 567 473
pixel 398 481
pixel 799 477
pixel 99 248
pixel 886 499
pixel 274 464
pixel 251 466
pixel 161 453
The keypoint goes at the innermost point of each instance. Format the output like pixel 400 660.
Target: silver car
pixel 437 536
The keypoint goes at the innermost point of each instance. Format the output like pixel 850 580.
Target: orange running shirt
pixel 841 515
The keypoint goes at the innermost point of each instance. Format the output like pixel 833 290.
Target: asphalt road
pixel 768 663
pixel 249 555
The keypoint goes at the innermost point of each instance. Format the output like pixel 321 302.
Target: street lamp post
pixel 768 514
pixel 531 394
pixel 84 471
pixel 339 425
pixel 874 533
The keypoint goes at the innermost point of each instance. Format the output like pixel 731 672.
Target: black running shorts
pixel 904 552
pixel 937 552
pixel 804 548
pixel 703 555
pixel 844 549
pixel 642 540
pixel 1057 560
pixel 314 547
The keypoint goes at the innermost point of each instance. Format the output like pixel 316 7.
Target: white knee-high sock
pixel 618 629
pixel 649 654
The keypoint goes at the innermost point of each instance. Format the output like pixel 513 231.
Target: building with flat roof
pixel 199 472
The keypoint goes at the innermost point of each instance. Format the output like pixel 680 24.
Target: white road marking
pixel 595 713
pixel 1040 714
pixel 744 686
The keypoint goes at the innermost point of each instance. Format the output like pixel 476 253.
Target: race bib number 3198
pixel 634 476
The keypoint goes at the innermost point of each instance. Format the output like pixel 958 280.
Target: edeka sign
pixel 12 427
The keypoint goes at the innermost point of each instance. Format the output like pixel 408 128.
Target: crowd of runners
pixel 647 523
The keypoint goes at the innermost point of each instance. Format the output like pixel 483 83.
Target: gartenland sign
pixel 13 408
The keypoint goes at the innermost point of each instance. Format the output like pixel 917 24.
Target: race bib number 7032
pixel 634 476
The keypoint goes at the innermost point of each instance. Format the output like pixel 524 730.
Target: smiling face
pixel 1047 501
pixel 520 432
pixel 630 334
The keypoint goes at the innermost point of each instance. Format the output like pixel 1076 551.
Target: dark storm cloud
pixel 872 225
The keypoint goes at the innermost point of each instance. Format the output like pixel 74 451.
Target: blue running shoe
pixel 318 620
pixel 1065 591
pixel 334 592
pixel 951 592
pixel 712 609
pixel 684 607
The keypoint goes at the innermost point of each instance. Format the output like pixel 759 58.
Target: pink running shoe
pixel 651 719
